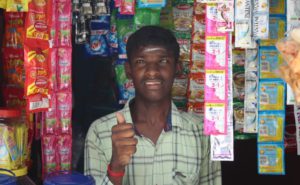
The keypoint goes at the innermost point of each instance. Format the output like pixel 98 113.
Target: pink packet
pixel 64 151
pixel 211 18
pixel 64 68
pixel 225 16
pixel 52 72
pixel 215 85
pixel 64 23
pixel 127 7
pixel 216 51
pixel 53 24
pixel 118 3
pixel 50 123
pixel 215 119
pixel 49 154
pixel 64 111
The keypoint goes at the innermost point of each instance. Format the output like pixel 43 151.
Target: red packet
pixel 14 29
pixel 196 88
pixel 64 23
pixel 13 67
pixel 64 111
pixel 127 7
pixel 52 71
pixel 64 68
pixel 38 20
pixel 50 124
pixel 37 70
pixel 14 97
pixel 37 103
pixel 64 150
pixel 49 143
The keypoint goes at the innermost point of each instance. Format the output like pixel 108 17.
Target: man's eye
pixel 163 61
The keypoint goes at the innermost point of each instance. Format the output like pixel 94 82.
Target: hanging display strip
pixel 297 124
pixel 222 148
pixel 251 91
pixel 216 80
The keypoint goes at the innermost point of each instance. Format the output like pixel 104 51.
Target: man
pixel 149 142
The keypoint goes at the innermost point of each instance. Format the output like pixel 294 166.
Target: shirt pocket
pixel 184 178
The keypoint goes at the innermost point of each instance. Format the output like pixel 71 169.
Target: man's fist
pixel 123 143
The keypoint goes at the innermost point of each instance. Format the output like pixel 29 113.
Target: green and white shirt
pixel 180 156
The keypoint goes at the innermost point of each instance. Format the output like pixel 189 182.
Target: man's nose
pixel 152 69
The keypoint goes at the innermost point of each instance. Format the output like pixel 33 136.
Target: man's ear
pixel 127 69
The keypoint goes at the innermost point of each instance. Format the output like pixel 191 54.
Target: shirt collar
pixel 173 118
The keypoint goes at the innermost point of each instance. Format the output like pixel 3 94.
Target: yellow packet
pixel 271 158
pixel 11 145
pixel 3 4
pixel 271 126
pixel 5 161
pixel 17 6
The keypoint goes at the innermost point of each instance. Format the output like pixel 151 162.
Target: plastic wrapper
pixel 289 47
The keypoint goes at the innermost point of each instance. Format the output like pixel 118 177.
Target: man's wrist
pixel 115 172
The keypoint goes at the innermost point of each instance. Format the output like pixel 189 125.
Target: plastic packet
pixel 127 7
pixel 271 95
pixel 269 62
pixel 146 16
pixel 14 30
pixel 17 5
pixel 50 124
pixel 196 88
pixel 64 111
pixel 64 150
pixel 183 17
pixel 271 126
pixel 124 30
pixel 151 4
pixel 49 162
pixel 64 23
pixel 215 119
pixel 215 85
pixel 271 158
pixel 126 88
pixel 64 68
pixel 289 47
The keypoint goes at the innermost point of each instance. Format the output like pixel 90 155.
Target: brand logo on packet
pixel 41 82
pixel 40 26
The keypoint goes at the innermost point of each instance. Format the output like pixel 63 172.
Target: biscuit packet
pixel 289 47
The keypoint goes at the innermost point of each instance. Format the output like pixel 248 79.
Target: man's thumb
pixel 120 118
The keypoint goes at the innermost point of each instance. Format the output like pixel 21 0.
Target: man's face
pixel 152 69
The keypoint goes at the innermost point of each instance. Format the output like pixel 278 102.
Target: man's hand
pixel 123 144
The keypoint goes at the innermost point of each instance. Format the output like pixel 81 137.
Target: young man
pixel 149 142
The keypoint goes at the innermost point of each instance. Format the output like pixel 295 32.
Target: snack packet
pixel 289 47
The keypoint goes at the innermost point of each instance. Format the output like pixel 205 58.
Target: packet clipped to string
pixel 271 158
pixel 271 95
pixel 271 126
pixel 225 16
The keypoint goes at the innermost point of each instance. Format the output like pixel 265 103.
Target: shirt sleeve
pixel 210 171
pixel 95 163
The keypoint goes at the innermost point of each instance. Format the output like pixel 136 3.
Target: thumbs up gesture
pixel 123 143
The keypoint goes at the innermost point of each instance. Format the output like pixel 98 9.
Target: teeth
pixel 153 83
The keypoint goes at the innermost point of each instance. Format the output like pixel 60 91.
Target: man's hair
pixel 152 35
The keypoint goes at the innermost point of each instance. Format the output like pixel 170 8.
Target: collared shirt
pixel 180 156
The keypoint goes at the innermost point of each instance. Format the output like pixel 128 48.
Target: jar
pixel 13 141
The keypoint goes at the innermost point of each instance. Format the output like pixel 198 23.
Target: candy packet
pixel 64 68
pixel 49 161
pixel 64 111
pixel 14 30
pixel 50 125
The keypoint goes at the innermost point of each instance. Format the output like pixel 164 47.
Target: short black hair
pixel 152 35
